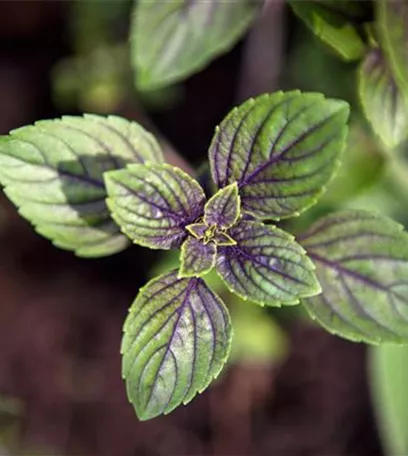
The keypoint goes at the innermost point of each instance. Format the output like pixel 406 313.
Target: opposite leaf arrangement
pixel 270 159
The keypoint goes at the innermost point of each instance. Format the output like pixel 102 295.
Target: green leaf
pixel 197 258
pixel 334 27
pixel 266 266
pixel 53 172
pixel 356 11
pixel 281 149
pixel 362 265
pixel 382 101
pixel 388 375
pixel 223 209
pixel 153 204
pixel 393 25
pixel 173 39
pixel 362 153
pixel 176 339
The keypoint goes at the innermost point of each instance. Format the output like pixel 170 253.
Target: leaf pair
pixel 53 172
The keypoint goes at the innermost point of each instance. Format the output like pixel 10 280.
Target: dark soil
pixel 61 317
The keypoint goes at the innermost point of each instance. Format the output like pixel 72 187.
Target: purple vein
pixel 174 331
pixel 360 307
pixel 203 303
pixel 259 129
pixel 282 154
pixel 233 141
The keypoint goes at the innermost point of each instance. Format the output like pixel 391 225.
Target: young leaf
pixel 281 149
pixel 53 172
pixel 153 203
pixel 223 209
pixel 393 24
pixel 173 39
pixel 266 266
pixel 334 26
pixel 196 258
pixel 176 339
pixel 382 101
pixel 197 230
pixel 362 265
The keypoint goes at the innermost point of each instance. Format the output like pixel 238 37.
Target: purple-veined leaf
pixel 197 230
pixel 266 266
pixel 196 257
pixel 393 25
pixel 383 103
pixel 173 39
pixel 223 208
pixel 362 265
pixel 53 172
pixel 176 340
pixel 153 204
pixel 281 149
pixel 223 239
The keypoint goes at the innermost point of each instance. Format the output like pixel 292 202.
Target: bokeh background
pixel 290 388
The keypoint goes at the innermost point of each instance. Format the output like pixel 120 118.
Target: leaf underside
pixel 153 203
pixel 383 103
pixel 362 265
pixel 173 39
pixel 53 172
pixel 281 149
pixel 176 340
pixel 266 266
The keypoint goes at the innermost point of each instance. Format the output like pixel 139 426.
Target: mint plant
pixel 91 183
pixel 94 185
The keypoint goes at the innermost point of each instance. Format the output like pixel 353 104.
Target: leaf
pixel 266 266
pixel 197 230
pixel 362 265
pixel 362 153
pixel 53 172
pixel 355 11
pixel 393 25
pixel 382 101
pixel 197 258
pixel 281 149
pixel 173 39
pixel 388 375
pixel 153 203
pixel 335 27
pixel 223 209
pixel 176 339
